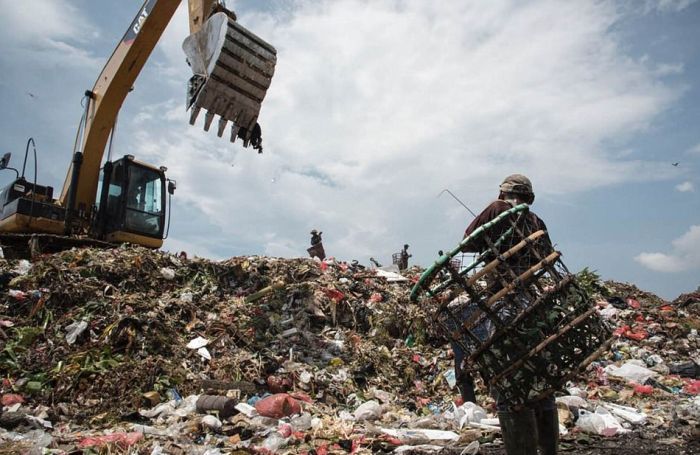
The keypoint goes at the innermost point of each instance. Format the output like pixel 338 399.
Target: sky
pixel 377 106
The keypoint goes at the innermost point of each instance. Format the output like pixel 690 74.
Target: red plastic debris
pixel 391 440
pixel 458 401
pixel 11 398
pixel 601 375
pixel 376 297
pixel 643 389
pixel 637 336
pixel 285 430
pixel 666 308
pixel 121 439
pixel 278 406
pixel 422 402
pixel 334 294
pixel 627 332
pixel 692 387
pixel 634 303
pixel 621 330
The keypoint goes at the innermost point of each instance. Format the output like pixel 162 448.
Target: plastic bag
pixel 631 372
pixel 627 413
pixel 369 410
pixel 274 442
pixel 74 330
pixel 121 439
pixel 599 422
pixel 167 273
pixel 211 422
pixel 277 406
pixel 468 413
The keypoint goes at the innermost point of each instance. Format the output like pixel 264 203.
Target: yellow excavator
pixel 125 200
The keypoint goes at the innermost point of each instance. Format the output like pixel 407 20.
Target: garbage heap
pixel 137 350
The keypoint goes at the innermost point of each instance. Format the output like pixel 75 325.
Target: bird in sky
pixel 675 164
pixel 31 95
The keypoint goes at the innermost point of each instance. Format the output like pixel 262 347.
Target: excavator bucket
pixel 232 71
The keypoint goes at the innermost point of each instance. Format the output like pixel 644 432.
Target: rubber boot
pixel 519 431
pixel 547 428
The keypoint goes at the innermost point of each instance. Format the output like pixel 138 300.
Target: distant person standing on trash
pixel 403 262
pixel 316 249
pixel 535 426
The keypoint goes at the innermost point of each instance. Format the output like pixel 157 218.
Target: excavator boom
pixel 232 70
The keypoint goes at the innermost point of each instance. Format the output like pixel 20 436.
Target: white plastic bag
pixel 167 273
pixel 468 413
pixel 212 423
pixel 74 330
pixel 599 422
pixel 625 412
pixel 631 371
pixel 274 442
pixel 369 410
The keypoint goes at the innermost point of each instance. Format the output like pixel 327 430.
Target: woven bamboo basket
pixel 518 313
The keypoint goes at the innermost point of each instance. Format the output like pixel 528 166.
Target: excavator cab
pixel 131 203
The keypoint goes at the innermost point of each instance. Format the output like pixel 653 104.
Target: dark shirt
pixel 489 213
pixel 315 239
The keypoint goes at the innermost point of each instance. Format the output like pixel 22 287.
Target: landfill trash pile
pixel 130 349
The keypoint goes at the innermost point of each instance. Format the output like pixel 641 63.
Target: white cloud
pixel 669 69
pixel 46 32
pixel 685 254
pixel 667 5
pixel 685 187
pixel 377 106
pixel 695 150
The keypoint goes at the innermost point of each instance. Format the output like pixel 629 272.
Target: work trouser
pixel 465 383
pixel 533 427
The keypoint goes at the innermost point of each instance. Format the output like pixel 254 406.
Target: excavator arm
pixel 236 63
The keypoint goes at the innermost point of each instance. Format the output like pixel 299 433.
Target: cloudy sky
pixel 377 106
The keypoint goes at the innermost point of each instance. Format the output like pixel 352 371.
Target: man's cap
pixel 314 231
pixel 517 184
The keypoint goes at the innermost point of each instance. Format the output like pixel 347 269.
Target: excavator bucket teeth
pixel 232 71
